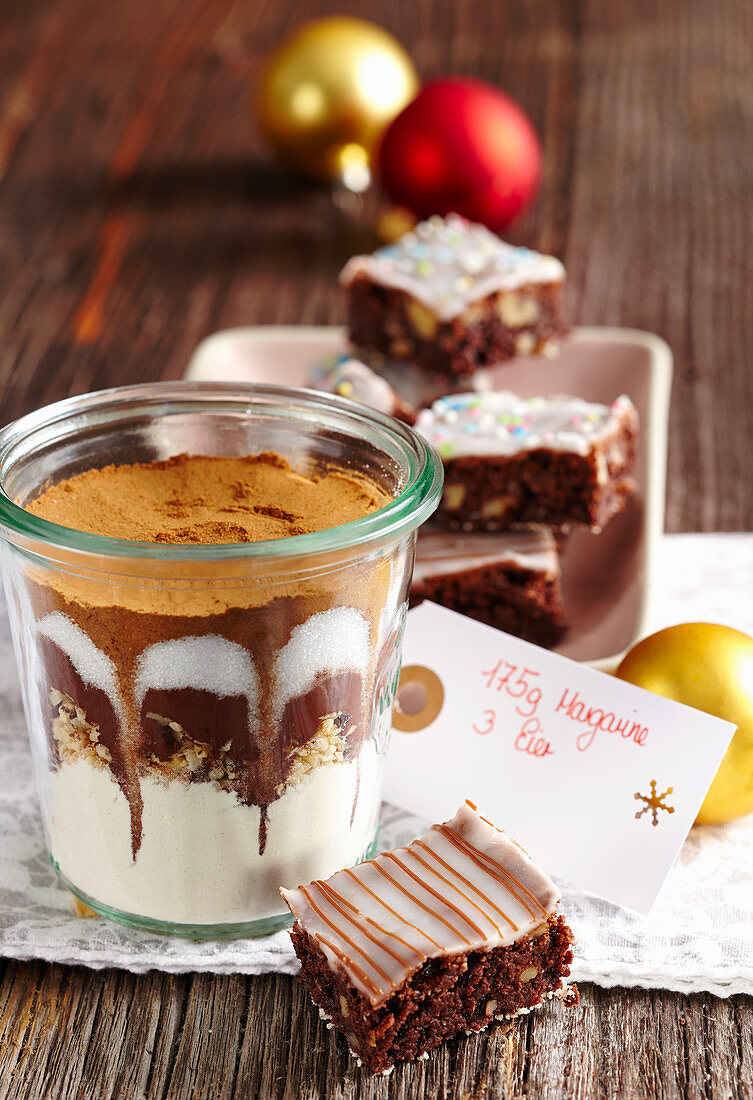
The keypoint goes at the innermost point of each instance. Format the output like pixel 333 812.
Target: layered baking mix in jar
pixel 207 587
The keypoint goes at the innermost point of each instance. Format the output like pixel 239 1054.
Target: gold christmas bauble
pixel 327 93
pixel 708 667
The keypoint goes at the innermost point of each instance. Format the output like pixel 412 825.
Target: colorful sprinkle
pixel 473 262
pixel 447 263
pixel 502 422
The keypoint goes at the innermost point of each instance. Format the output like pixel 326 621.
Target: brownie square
pixel 419 944
pixel 509 580
pixel 450 298
pixel 509 460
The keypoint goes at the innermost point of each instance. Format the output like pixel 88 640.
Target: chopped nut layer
pixel 74 735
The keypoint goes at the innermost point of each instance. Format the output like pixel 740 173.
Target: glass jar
pixel 209 722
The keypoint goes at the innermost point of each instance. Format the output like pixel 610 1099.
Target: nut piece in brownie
pixel 421 943
pixel 509 580
pixel 351 378
pixel 451 297
pixel 550 460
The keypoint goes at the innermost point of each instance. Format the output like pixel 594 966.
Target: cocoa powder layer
pixel 207 499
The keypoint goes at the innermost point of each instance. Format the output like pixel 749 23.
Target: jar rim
pixel 407 510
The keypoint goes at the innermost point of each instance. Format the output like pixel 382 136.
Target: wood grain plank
pixel 118 1063
pixel 62 229
pixel 240 1037
pixel 205 1058
pixel 270 1017
pixel 169 993
pixel 56 1035
pixel 30 62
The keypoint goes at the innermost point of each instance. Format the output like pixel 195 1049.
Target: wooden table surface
pixel 139 212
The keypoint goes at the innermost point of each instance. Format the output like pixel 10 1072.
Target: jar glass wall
pixel 209 722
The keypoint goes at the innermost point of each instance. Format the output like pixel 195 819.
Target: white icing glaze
pixel 502 423
pixel 464 886
pixel 444 553
pixel 449 263
pixel 387 386
pixel 352 378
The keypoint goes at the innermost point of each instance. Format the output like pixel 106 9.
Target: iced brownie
pixel 509 580
pixel 550 460
pixel 423 942
pixel 348 377
pixel 451 297
pixel 209 733
pixel 399 389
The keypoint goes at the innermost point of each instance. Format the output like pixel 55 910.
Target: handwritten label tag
pixel 598 779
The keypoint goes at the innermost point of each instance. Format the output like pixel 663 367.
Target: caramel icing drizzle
pixel 389 909
pixel 359 950
pixel 356 918
pixel 464 886
pixel 435 893
pixel 500 874
pixel 467 882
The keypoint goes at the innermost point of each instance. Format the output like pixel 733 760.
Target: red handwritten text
pixel 502 678
pixel 486 724
pixel 527 740
pixel 596 719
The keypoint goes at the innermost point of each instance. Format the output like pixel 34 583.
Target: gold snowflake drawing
pixel 654 802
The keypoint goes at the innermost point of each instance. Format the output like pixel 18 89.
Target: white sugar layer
pixel 329 642
pixel 208 663
pixel 92 665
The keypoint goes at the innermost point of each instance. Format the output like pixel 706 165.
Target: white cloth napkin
pixel 699 936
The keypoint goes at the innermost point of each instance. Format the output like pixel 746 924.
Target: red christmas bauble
pixel 462 145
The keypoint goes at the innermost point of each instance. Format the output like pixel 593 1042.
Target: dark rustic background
pixel 139 212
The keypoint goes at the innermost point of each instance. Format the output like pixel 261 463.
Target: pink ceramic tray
pixel 606 577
